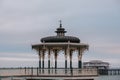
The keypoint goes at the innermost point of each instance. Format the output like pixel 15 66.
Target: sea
pixel 109 77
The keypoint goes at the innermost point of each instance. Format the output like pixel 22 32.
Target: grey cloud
pixel 24 22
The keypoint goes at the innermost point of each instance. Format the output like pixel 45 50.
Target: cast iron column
pixel 79 59
pixel 48 58
pixel 55 58
pixel 66 51
pixel 43 56
pixel 70 59
pixel 39 59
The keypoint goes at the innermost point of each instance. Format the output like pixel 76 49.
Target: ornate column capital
pixel 40 55
pixel 49 52
pixel 65 53
pixel 55 53
pixel 71 52
pixel 43 53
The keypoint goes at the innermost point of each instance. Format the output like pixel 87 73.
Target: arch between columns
pixel 67 52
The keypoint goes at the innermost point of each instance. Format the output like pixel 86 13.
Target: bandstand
pixel 60 42
pixel 69 45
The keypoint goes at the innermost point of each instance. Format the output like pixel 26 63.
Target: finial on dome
pixel 60 31
pixel 60 24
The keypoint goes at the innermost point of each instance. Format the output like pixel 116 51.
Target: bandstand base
pixel 61 78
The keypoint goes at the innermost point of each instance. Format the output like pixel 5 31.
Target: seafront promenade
pixel 47 73
pixel 60 73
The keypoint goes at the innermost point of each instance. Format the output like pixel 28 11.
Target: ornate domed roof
pixel 60 37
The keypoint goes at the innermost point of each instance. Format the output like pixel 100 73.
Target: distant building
pixel 96 64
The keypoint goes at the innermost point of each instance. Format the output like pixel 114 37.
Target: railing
pixel 47 72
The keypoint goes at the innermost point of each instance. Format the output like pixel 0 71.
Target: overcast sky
pixel 25 22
